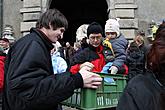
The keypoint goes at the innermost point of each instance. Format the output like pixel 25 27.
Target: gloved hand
pixel 113 69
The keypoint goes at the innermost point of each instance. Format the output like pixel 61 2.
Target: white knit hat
pixel 112 25
pixel 81 32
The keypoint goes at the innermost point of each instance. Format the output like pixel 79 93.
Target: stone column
pixel 31 11
pixel 1 17
pixel 125 10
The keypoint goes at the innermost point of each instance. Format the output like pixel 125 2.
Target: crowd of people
pixel 39 71
pixel 146 91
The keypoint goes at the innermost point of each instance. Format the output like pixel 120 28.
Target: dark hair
pixel 84 43
pixel 156 55
pixel 156 60
pixel 53 17
pixel 133 47
pixel 140 32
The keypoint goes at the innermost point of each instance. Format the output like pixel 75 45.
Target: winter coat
pixel 143 92
pixel 135 61
pixel 89 54
pixel 69 52
pixel 119 46
pixel 2 61
pixel 29 80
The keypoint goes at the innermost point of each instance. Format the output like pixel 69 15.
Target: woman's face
pixel 95 39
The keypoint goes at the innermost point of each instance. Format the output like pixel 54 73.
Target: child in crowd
pixel 115 45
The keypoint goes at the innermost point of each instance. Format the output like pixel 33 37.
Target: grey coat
pixel 119 46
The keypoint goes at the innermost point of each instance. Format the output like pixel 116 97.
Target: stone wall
pixel 133 13
pixel 31 12
pixel 12 16
pixel 1 16
pixel 125 10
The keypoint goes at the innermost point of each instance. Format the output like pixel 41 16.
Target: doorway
pixel 80 12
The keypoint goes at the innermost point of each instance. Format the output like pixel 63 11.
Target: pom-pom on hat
pixel 112 25
pixel 94 28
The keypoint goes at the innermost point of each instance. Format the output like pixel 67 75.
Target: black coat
pixel 89 54
pixel 29 80
pixel 136 63
pixel 143 92
pixel 135 60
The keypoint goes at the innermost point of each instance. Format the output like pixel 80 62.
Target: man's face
pixel 95 39
pixel 54 35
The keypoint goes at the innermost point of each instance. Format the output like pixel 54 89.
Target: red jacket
pixel 90 54
pixel 2 59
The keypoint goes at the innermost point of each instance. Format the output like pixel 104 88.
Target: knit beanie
pixel 94 28
pixel 112 25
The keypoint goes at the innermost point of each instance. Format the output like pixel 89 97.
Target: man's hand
pixel 90 79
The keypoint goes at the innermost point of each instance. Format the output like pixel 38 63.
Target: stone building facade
pixel 124 9
pixel 132 13
pixel 11 15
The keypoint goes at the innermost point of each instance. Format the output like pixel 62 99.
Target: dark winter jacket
pixel 29 80
pixel 135 60
pixel 89 54
pixel 69 54
pixel 143 92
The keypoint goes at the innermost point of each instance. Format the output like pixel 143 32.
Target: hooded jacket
pixel 29 80
pixel 135 61
pixel 119 45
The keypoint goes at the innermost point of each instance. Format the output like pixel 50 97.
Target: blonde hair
pixel 139 39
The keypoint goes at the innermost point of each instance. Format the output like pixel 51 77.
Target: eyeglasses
pixel 95 37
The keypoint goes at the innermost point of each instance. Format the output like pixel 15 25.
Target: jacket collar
pixel 98 49
pixel 45 39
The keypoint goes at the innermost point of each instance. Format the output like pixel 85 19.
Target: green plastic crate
pixel 106 96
